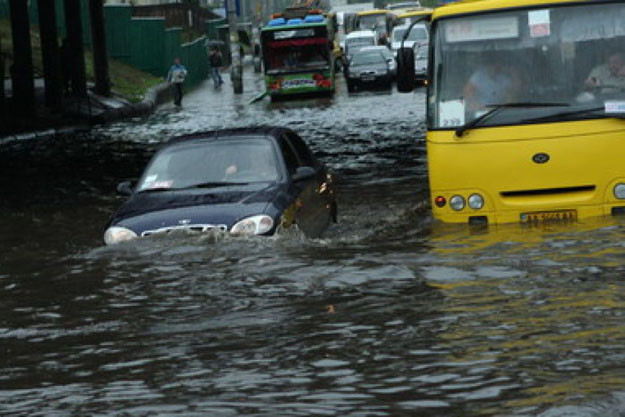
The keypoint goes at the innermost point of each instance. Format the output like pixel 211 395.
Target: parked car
pixel 418 35
pixel 388 55
pixel 241 181
pixel 368 68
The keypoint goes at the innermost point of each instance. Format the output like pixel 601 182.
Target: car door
pixel 315 196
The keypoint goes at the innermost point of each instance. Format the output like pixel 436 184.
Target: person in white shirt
pixel 175 77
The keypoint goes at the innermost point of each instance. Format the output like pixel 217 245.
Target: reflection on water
pixel 389 313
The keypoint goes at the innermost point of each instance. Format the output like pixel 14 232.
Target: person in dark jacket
pixel 215 62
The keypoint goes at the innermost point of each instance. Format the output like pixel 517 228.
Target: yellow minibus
pixel 525 110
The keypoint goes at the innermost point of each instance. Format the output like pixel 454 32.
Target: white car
pixel 358 39
pixel 418 34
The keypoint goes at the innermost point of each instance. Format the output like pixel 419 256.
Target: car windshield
pixel 417 33
pixel 368 58
pixel 572 55
pixel 211 163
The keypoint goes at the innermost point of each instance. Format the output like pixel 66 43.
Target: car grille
pixel 198 228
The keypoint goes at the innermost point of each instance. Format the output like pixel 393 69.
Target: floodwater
pixel 390 314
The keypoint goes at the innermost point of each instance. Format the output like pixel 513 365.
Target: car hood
pixel 153 210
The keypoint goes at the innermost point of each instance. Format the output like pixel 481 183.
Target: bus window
pixel 508 61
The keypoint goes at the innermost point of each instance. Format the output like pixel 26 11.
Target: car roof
pixel 269 132
pixel 373 48
pixel 360 33
pixel 479 6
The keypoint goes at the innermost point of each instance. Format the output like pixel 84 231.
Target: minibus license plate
pixel 549 216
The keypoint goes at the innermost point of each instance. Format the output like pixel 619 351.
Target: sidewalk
pixel 79 113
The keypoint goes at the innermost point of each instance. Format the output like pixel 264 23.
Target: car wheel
pixel 351 87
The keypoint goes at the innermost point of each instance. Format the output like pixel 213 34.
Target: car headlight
pixel 476 201
pixel 117 234
pixel 255 225
pixel 456 202
pixel 619 191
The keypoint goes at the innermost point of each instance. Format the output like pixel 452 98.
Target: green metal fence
pixel 144 43
pixel 33 12
pixel 117 18
pixel 4 9
pixel 147 41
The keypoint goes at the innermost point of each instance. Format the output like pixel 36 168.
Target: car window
pixel 302 150
pixel 368 58
pixel 290 159
pixel 194 163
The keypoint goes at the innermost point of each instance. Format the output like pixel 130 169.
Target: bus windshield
pixel 536 65
pixel 417 33
pixel 298 54
pixel 372 21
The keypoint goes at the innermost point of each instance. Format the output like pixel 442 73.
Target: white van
pixel 418 34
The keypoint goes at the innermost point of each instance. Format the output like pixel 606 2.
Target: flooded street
pixel 390 314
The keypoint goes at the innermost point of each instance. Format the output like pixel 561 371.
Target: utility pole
pixel 236 64
pixel 257 24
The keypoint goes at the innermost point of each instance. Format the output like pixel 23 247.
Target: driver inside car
pixel 608 77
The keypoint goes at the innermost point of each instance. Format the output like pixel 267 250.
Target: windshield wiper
pixel 566 115
pixel 496 108
pixel 213 184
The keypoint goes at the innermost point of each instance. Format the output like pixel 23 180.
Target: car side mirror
pixel 405 70
pixel 124 188
pixel 303 174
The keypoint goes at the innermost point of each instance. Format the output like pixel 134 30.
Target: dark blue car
pixel 242 181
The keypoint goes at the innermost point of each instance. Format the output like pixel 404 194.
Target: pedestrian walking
pixel 215 61
pixel 175 77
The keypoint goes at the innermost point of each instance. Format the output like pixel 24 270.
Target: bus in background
pixel 297 56
pixel 525 110
pixel 406 17
pixel 378 20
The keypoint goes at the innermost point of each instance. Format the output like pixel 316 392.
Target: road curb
pixel 153 97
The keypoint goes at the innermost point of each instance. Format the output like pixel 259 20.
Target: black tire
pixel 351 87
